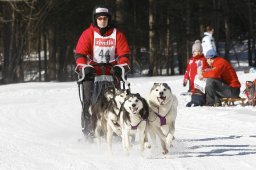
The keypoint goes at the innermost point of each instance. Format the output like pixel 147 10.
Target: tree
pixel 152 38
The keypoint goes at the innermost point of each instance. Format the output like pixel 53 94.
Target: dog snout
pixel 133 105
pixel 161 93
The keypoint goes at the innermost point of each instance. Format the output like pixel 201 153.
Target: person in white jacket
pixel 208 42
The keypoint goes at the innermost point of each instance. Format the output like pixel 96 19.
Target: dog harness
pixel 162 118
pixel 136 126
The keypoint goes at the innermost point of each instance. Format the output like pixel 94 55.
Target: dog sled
pixel 232 101
pixel 90 86
pixel 250 92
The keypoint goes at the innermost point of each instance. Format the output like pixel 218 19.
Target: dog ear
pixel 125 114
pixel 154 85
pixel 145 111
pixel 167 86
pixel 128 91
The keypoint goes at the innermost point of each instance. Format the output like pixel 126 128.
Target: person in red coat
pixel 222 80
pixel 197 60
pixel 101 54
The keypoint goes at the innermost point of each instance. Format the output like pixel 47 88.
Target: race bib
pixel 104 48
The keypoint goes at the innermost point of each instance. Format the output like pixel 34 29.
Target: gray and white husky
pixel 106 115
pixel 97 111
pixel 133 119
pixel 162 114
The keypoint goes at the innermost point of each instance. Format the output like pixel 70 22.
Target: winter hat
pixel 211 53
pixel 197 46
pixel 101 10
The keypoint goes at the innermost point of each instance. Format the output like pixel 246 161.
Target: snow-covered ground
pixel 40 130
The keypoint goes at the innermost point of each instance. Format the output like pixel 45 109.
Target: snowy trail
pixel 40 130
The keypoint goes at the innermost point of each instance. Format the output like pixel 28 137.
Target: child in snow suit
pixel 197 60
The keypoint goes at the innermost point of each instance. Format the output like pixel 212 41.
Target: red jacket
pixel 223 70
pixel 191 70
pixel 85 43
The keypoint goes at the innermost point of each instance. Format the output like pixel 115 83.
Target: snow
pixel 40 130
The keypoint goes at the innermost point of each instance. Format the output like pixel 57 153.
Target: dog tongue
pixel 161 99
pixel 134 109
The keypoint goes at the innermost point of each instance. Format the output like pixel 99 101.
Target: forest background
pixel 38 37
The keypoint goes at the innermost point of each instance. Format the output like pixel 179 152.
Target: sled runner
pixel 185 93
pixel 231 101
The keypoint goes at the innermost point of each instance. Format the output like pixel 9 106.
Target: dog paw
pixel 147 145
pixel 169 141
pixel 165 151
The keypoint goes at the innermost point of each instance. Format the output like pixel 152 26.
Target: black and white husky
pixel 107 115
pixel 162 114
pixel 97 111
pixel 133 119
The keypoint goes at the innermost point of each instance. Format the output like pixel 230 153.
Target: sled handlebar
pixel 80 71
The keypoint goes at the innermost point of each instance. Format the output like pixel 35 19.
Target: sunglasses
pixel 102 18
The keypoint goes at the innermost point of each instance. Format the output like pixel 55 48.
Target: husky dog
pixel 162 114
pixel 250 92
pixel 107 119
pixel 133 118
pixel 97 111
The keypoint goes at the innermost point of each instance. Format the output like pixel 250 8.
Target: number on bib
pixel 105 56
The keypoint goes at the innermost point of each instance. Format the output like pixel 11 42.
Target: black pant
pixel 216 89
pixel 91 92
pixel 87 91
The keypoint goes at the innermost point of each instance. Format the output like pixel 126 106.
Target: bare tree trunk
pixel 152 39
pixel 120 13
pixel 39 55
pixel 6 42
pixel 45 57
pixel 168 44
pixel 250 51
pixel 188 33
pixel 21 40
pixel 9 45
pixel 217 7
pixel 52 54
pixel 61 62
pixel 227 42
pixel 172 58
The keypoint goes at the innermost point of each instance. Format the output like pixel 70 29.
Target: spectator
pixel 197 60
pixel 208 42
pixel 222 80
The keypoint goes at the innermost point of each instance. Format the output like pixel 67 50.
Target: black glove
pixel 89 73
pixel 120 71
pixel 116 71
pixel 185 82
pixel 86 73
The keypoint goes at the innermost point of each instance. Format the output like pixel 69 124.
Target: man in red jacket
pixel 105 49
pixel 222 80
